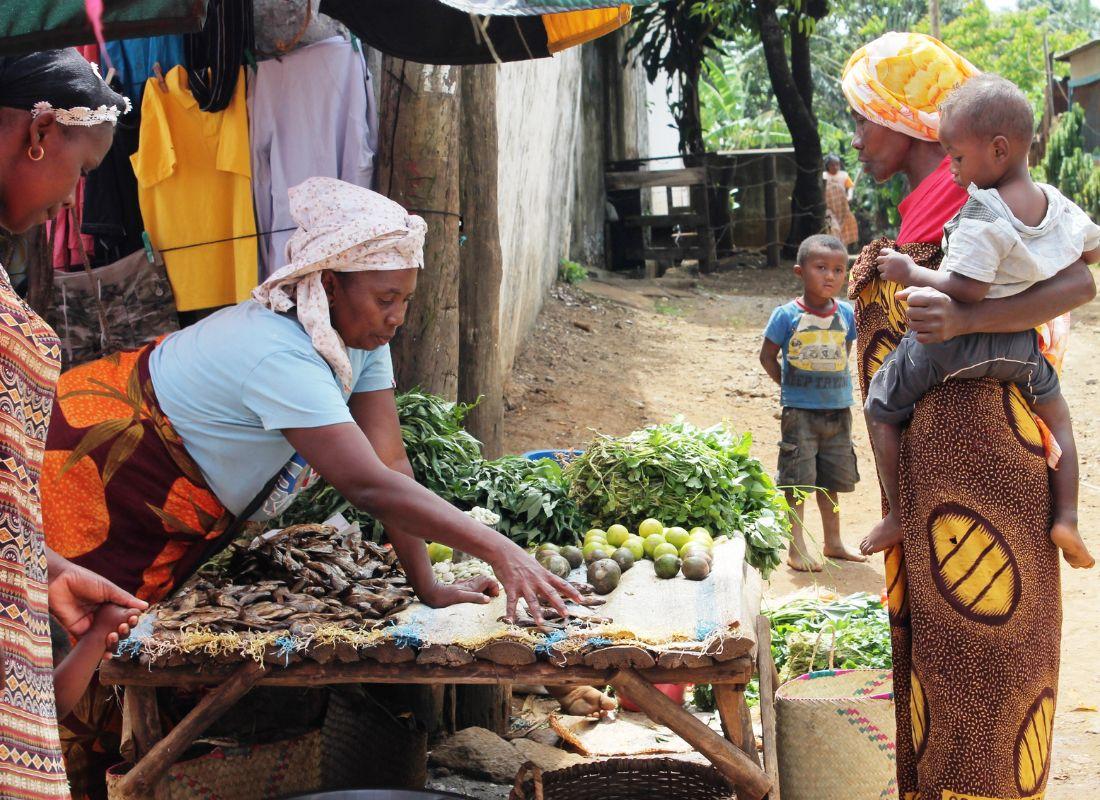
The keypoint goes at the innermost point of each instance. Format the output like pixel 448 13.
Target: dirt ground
pixel 616 354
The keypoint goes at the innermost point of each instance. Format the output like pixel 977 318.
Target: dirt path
pixel 622 354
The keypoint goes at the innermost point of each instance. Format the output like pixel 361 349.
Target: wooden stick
pixel 140 782
pixel 141 715
pixel 729 711
pixel 748 735
pixel 767 701
pixel 749 780
pixel 308 673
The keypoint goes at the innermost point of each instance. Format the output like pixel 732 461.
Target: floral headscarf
pixel 345 228
pixel 900 79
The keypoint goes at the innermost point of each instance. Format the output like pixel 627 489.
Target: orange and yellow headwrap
pixel 900 79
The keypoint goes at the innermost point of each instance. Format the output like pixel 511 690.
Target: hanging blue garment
pixel 134 60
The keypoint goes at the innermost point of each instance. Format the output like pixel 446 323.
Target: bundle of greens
pixel 531 497
pixel 685 476
pixel 809 634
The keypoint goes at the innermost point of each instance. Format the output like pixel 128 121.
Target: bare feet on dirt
pixel 844 553
pixel 1068 539
pixel 802 563
pixel 886 533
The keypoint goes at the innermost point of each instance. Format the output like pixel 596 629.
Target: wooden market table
pixel 727 660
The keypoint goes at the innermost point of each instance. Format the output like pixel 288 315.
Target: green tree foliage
pixel 1068 166
pixel 1010 43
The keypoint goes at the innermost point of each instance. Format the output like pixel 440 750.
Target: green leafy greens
pixel 686 476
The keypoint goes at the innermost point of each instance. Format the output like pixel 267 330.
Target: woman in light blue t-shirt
pixel 225 419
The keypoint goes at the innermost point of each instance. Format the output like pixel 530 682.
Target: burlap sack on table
pixel 659 614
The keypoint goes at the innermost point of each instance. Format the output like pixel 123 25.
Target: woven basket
pixel 623 779
pixel 836 733
pixel 257 772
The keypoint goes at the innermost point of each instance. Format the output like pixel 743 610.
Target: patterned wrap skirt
pixel 974 596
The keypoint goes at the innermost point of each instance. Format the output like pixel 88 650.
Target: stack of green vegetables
pixel 811 634
pixel 531 497
pixel 685 476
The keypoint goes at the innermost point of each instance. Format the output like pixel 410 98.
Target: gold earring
pixel 41 152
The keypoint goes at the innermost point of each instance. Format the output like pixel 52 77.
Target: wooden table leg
pixel 736 718
pixel 768 685
pixel 746 776
pixel 141 721
pixel 140 782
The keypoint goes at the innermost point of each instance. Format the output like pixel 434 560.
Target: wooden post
pixel 768 681
pixel 418 168
pixel 771 211
pixel 141 781
pixel 482 268
pixel 141 719
pixel 747 777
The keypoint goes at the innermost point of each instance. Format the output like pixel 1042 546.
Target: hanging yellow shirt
pixel 195 188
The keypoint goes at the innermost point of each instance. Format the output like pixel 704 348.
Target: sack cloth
pixel 137 302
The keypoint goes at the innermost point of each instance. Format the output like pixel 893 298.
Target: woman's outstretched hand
pixel 481 589
pixel 76 594
pixel 522 576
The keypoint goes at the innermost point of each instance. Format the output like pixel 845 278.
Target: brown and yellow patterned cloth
pixel 975 601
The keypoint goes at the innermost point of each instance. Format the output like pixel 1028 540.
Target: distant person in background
pixel 814 335
pixel 839 219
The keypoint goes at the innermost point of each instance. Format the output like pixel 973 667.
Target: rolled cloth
pixel 61 81
pixel 344 228
pixel 900 79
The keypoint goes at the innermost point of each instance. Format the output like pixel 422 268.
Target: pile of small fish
pixel 297 579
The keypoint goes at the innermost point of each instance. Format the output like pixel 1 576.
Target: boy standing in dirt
pixel 814 333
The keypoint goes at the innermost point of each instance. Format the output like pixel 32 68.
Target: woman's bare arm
pixel 344 456
pixel 935 317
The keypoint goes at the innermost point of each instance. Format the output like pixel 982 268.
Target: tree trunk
pixel 793 87
pixel 418 167
pixel 690 122
pixel 481 262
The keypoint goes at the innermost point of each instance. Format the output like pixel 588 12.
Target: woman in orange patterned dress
pixel 56 122
pixel 975 611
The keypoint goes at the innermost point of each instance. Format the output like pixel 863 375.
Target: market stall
pixel 646 631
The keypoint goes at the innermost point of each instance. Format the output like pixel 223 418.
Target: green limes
pixel 437 551
pixel 651 542
pixel 573 555
pixel 593 551
pixel 604 575
pixel 616 535
pixel 649 527
pixel 695 568
pixel 695 549
pixel 553 548
pixel 677 536
pixel 666 566
pixel 636 546
pixel 701 535
pixel 666 549
pixel 557 565
pixel 624 558
pixel 595 533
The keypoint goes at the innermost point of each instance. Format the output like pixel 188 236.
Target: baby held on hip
pixel 1010 235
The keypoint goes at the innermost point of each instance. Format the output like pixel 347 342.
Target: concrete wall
pixel 558 121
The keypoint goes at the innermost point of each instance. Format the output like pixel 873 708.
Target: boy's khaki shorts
pixel 816 449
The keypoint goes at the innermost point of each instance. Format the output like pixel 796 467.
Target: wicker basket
pixel 258 772
pixel 623 779
pixel 835 735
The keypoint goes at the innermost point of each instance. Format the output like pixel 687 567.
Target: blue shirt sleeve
pixel 779 327
pixel 294 389
pixel 849 320
pixel 377 372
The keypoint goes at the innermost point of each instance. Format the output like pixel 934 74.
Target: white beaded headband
pixel 82 115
